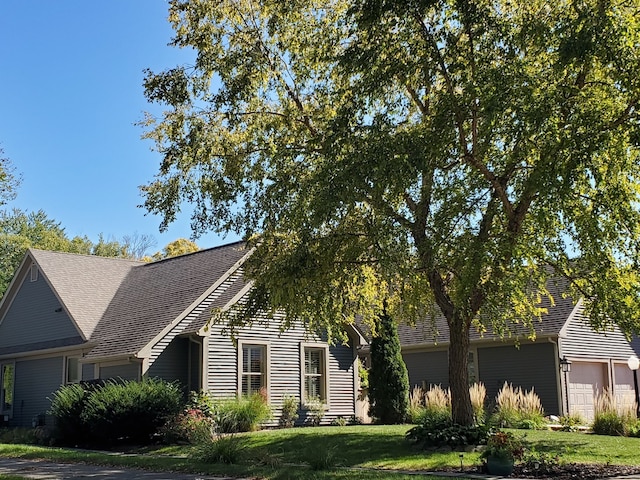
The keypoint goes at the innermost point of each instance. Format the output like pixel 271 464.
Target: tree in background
pixel 180 246
pixel 9 180
pixel 388 377
pixel 436 154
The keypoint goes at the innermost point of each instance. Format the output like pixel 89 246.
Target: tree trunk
pixel 461 409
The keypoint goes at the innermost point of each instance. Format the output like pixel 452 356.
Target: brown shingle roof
pixel 154 295
pixel 85 284
pixel 436 331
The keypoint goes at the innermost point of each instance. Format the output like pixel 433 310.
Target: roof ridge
pixel 88 255
pixel 208 249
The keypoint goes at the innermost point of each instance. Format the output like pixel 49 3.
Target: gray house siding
pixel 32 317
pixel 127 371
pixel 35 382
pixel 579 340
pixel 427 368
pixel 172 364
pixel 284 368
pixel 88 371
pixel 531 365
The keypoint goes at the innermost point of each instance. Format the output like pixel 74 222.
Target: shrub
pixel 478 394
pixel 322 458
pixel 516 408
pixel 504 445
pixel 611 418
pixel 191 426
pixel 130 411
pixel 416 405
pixel 570 423
pixel 241 414
pixel 66 408
pixel 227 449
pixel 388 378
pixel 289 413
pixel 339 422
pixel 441 431
pixel 315 411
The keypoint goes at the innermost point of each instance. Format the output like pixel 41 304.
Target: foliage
pixel 180 246
pixel 339 421
pixel 225 449
pixel 570 423
pixel 478 395
pixel 504 445
pixel 541 463
pixel 241 414
pixel 516 408
pixel 422 153
pixel 9 180
pixel 67 404
pixel 315 409
pixel 610 418
pixel 388 377
pixel 29 436
pixel 439 431
pixel 191 426
pixel 289 412
pixel 323 458
pixel 114 411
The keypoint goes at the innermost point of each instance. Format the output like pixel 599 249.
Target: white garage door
pixel 585 380
pixel 623 385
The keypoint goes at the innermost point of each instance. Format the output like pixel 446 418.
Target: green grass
pixel 380 450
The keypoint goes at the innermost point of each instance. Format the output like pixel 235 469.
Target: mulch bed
pixel 569 471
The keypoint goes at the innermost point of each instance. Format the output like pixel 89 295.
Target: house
pixel 597 359
pixel 67 318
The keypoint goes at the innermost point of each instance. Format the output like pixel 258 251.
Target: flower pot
pixel 500 466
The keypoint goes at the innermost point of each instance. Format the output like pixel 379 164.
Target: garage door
pixel 585 380
pixel 623 385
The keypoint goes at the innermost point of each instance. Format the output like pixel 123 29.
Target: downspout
pixel 559 381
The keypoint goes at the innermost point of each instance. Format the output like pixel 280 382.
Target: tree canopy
pixel 415 153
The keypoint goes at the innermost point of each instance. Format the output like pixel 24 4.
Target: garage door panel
pixel 586 379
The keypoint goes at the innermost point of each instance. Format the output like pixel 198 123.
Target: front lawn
pixel 366 446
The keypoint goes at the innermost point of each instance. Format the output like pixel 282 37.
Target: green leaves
pixel 416 152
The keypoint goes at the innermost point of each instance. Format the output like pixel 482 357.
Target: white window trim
pixel 34 273
pixel 327 390
pixel 9 412
pixel 267 360
pixel 65 375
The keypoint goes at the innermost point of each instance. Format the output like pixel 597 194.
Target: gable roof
pixel 154 295
pixel 435 330
pixel 119 306
pixel 84 284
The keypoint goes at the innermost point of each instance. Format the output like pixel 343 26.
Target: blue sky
pixel 71 75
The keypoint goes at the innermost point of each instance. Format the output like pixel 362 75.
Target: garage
pixel 585 380
pixel 623 385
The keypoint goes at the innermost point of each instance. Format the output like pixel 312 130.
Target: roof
pixel 155 294
pixel 120 305
pixel 77 278
pixel 436 331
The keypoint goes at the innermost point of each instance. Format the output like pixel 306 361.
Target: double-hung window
pixel 7 379
pixel 73 370
pixel 253 366
pixel 315 372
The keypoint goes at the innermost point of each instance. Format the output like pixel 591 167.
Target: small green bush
pixel 611 418
pixel 570 423
pixel 242 414
pixel 67 405
pixel 440 431
pixel 322 459
pixel 289 413
pixel 315 411
pixel 190 426
pixel 226 449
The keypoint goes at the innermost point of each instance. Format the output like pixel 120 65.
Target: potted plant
pixel 501 452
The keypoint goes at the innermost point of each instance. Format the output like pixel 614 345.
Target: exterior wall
pixel 126 371
pixel 579 340
pixel 32 318
pixel 172 364
pixel 88 371
pixel 530 366
pixel 284 368
pixel 427 368
pixel 35 382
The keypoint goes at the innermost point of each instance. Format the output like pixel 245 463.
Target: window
pixel 73 369
pixel 34 273
pixel 253 363
pixel 7 372
pixel 314 372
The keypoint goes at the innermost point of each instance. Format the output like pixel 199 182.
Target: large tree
pixel 426 153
